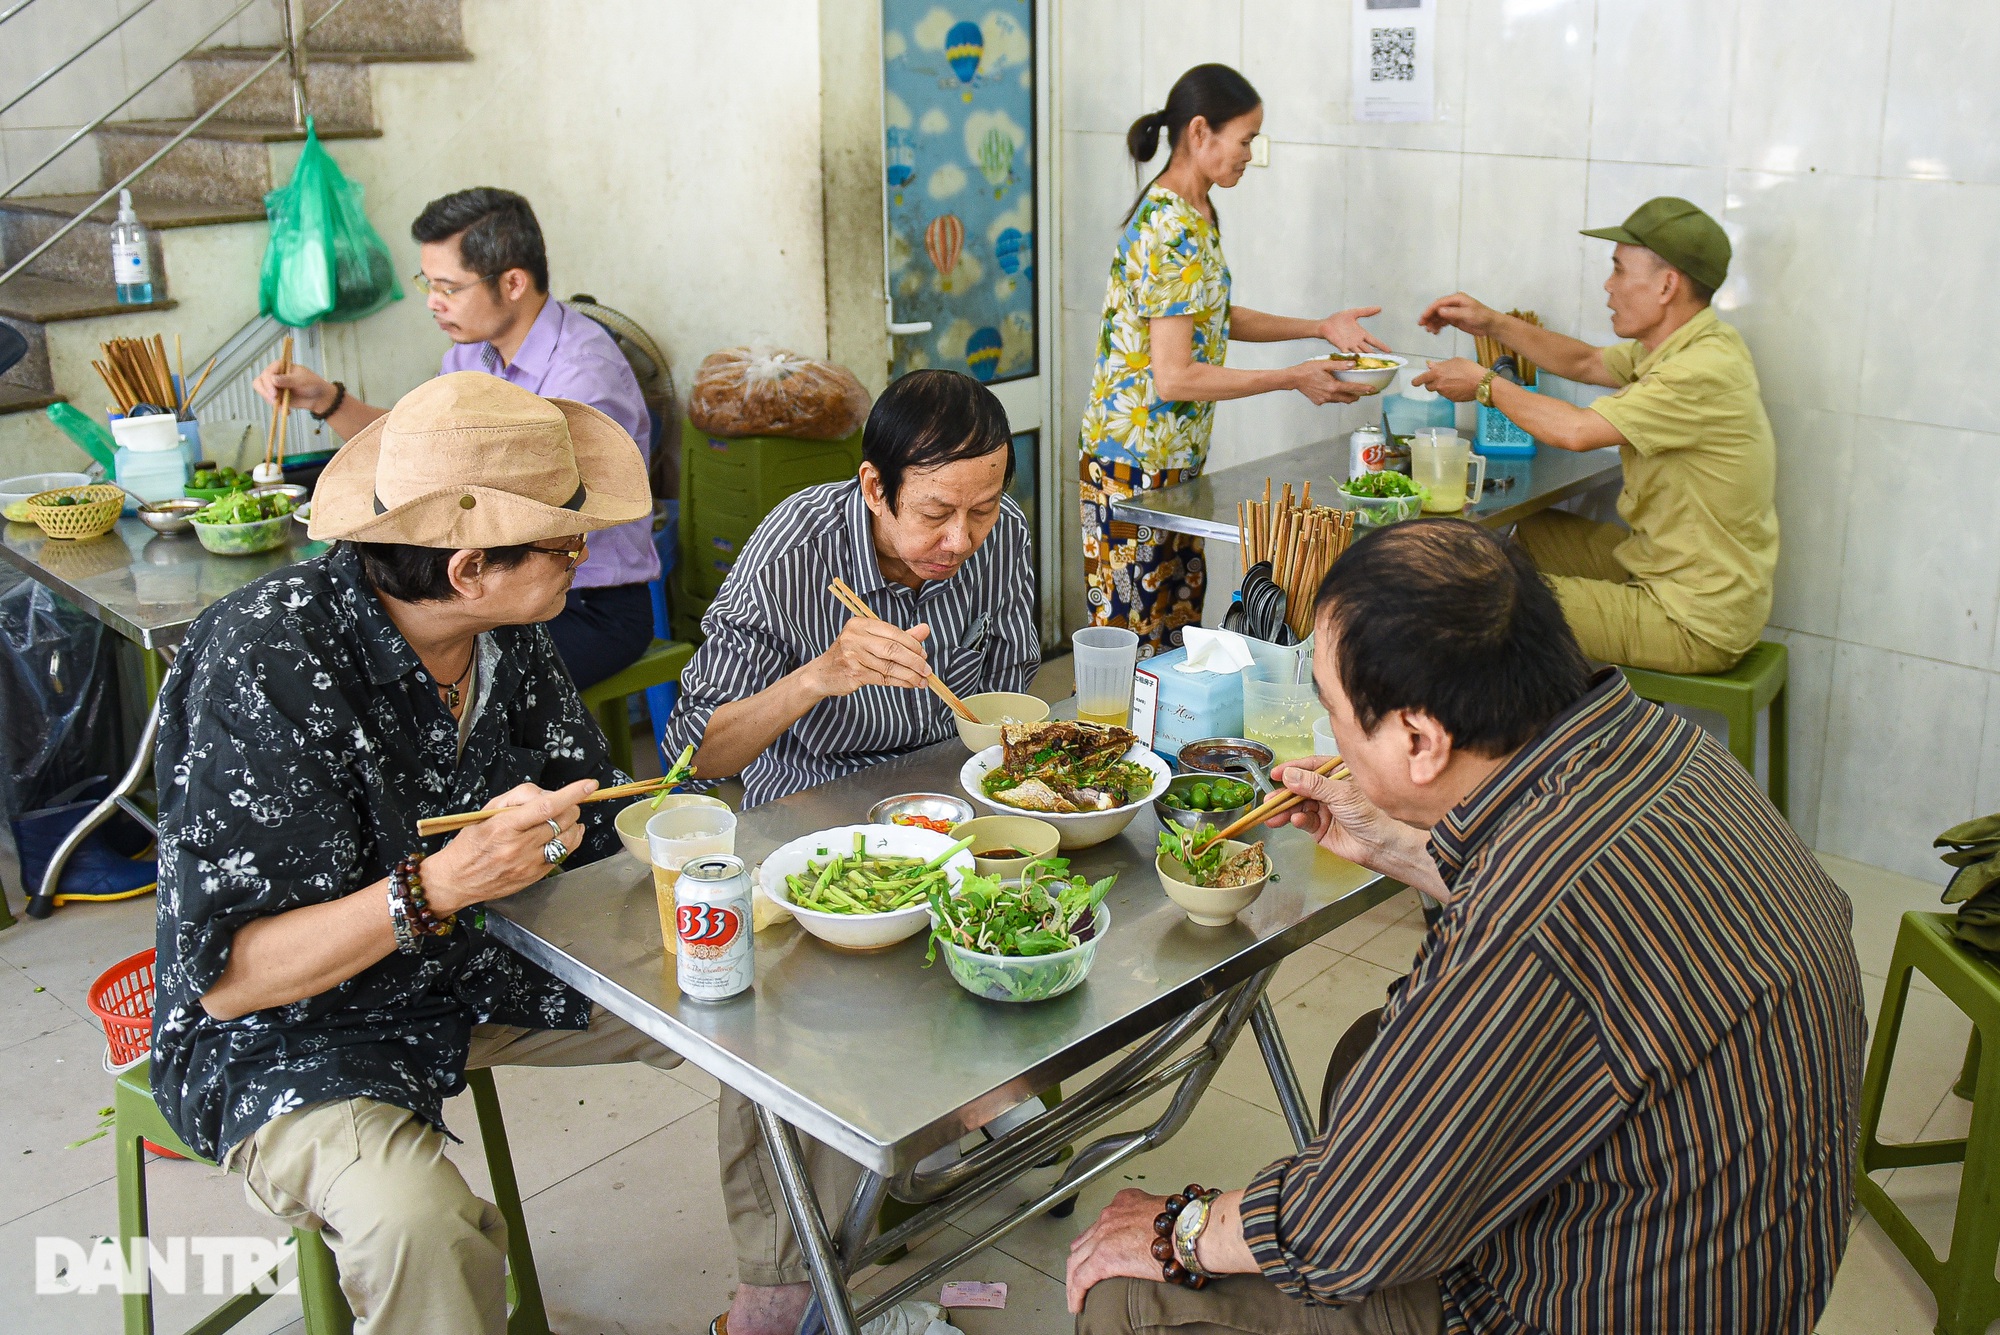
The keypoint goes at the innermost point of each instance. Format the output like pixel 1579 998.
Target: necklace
pixel 452 697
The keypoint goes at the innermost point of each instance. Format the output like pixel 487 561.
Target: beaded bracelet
pixel 1172 1267
pixel 409 913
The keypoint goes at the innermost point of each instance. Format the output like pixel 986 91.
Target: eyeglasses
pixel 447 290
pixel 575 554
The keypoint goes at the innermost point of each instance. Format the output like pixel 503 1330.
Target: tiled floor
pixel 618 1165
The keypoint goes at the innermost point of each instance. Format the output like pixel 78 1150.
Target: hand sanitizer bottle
pixel 131 257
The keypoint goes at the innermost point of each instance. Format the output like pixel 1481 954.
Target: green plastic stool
pixel 137 1120
pixel 1968 1297
pixel 662 662
pixel 1739 695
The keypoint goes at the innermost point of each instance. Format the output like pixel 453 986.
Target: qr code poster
pixel 1394 57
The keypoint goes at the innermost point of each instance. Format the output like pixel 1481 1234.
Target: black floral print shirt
pixel 300 742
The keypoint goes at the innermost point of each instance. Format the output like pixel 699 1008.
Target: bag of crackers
pixel 764 391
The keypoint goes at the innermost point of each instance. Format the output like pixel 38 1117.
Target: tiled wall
pixel 50 31
pixel 1852 149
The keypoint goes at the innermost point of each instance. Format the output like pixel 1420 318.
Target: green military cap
pixel 1678 233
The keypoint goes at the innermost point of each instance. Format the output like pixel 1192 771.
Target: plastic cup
pixel 1280 712
pixel 1323 743
pixel 1106 659
pixel 675 837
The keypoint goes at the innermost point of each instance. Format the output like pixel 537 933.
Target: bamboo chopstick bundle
pixel 1300 540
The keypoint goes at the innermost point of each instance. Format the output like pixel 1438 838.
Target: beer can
pixel 717 955
pixel 1366 452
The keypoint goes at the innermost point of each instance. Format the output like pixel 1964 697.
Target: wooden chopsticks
pixel 852 602
pixel 1277 804
pixel 281 420
pixel 431 825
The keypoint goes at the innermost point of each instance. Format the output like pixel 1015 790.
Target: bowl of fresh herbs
pixel 243 524
pixel 1025 940
pixel 1381 498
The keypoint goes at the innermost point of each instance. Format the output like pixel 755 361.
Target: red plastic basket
pixel 122 998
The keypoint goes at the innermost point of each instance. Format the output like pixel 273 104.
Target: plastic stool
pixel 660 666
pixel 1739 695
pixel 137 1120
pixel 1968 1297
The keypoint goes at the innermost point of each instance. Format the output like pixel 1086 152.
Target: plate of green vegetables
pixel 863 887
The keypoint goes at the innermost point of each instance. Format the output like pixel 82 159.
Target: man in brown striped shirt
pixel 1617 1091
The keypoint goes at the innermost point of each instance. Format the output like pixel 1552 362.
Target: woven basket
pixel 94 514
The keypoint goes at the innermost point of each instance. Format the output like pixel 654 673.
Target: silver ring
pixel 553 852
pixel 555 829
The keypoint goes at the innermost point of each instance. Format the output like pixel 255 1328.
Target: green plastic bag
pixel 325 260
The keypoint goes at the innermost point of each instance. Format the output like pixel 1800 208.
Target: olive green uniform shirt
pixel 1700 471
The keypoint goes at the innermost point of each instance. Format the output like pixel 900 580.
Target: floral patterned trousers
pixel 1147 580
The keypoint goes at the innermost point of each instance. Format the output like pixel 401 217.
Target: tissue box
pixel 1192 705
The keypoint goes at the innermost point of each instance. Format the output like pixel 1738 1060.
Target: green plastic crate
pixel 729 485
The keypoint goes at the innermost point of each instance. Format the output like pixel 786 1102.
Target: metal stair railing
pixel 291 50
pixel 227 398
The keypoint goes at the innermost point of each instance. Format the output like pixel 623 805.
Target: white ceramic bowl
pixel 632 818
pixel 1079 829
pixel 1377 378
pixel 859 931
pixel 1207 905
pixel 994 707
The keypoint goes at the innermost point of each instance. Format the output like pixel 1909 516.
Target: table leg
pixel 43 901
pixel 808 1223
pixel 1284 1078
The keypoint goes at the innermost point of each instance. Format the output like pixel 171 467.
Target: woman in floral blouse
pixel 1167 325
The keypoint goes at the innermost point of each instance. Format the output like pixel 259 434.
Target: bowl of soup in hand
pixel 995 708
pixel 1373 369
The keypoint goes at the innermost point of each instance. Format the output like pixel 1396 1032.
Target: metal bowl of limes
pixel 1204 801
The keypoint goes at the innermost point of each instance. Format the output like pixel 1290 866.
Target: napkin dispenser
pixel 1192 705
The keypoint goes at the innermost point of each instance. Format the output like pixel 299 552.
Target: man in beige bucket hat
pixel 322 988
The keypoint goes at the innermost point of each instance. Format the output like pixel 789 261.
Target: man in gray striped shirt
pixel 789 690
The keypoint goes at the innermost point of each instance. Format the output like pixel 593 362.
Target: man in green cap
pixel 1688 588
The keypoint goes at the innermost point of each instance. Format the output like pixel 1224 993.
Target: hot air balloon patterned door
pixel 962 112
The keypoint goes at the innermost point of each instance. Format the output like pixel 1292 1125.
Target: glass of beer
pixel 675 836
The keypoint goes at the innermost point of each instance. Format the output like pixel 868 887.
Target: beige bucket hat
pixel 470 460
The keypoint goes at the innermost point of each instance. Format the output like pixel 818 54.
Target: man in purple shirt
pixel 486 277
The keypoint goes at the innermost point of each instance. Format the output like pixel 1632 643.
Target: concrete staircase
pixel 204 199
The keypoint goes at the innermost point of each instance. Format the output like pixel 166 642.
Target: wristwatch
pixel 1189 1225
pixel 1485 391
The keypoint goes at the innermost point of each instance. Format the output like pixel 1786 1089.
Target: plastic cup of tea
pixel 1106 658
pixel 677 836
pixel 1323 743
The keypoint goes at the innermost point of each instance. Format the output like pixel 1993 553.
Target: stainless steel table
pixel 1206 507
pixel 149 587
pixel 887 1061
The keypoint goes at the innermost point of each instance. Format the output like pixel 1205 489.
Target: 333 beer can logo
pixel 707 925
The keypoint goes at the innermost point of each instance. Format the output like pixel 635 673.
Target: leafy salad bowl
pixel 1078 829
pixel 1021 978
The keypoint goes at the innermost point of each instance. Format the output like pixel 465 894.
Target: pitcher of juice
pixel 1439 461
